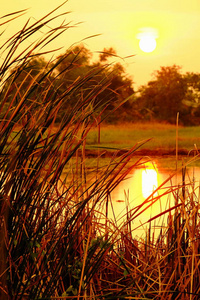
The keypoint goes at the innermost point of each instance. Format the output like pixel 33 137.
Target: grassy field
pixel 163 136
pixel 157 140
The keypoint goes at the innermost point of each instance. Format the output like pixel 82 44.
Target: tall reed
pixel 51 242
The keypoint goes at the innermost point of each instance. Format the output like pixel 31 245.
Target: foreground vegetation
pixel 56 240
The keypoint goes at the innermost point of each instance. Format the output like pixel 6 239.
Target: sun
pixel 147 39
pixel 147 43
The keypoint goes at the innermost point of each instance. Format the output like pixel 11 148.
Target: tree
pixel 76 64
pixel 192 96
pixel 73 63
pixel 106 83
pixel 27 80
pixel 106 53
pixel 162 97
pixel 32 73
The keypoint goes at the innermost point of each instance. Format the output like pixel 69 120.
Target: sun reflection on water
pixel 133 194
pixel 149 181
pixel 134 191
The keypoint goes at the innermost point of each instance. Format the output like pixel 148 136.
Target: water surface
pixel 152 187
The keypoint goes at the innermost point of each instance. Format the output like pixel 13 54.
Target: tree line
pixel 168 93
pixel 74 75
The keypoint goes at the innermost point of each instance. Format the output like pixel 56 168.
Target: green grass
pixel 161 135
pixel 148 136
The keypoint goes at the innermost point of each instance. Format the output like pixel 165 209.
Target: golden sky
pixel 176 23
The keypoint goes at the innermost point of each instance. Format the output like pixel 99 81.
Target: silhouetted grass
pixel 57 241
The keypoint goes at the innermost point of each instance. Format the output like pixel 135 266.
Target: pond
pixel 147 192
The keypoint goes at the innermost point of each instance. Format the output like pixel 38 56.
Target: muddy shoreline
pixel 141 152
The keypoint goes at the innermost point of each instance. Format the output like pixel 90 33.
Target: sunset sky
pixel 176 25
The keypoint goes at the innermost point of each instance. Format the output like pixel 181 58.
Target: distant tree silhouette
pixel 163 96
pixel 28 81
pixel 108 81
pixel 78 63
pixel 168 93
pixel 106 53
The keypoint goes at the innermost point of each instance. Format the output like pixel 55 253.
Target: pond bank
pixel 141 152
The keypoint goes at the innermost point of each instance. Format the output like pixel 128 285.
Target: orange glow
pixel 118 24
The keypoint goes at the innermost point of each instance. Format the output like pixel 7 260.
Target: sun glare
pixel 147 44
pixel 147 39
